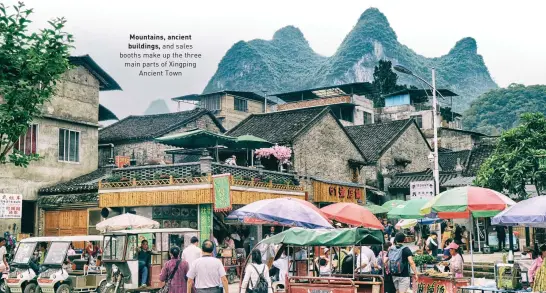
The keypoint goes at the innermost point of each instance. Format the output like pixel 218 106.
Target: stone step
pixel 487 275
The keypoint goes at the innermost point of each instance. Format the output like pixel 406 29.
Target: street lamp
pixel 404 70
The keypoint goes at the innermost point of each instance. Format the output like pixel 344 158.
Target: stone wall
pixel 77 97
pixel 410 145
pixel 314 103
pixel 146 151
pixel 324 151
pixel 453 139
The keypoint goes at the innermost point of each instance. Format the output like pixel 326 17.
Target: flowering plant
pixel 281 153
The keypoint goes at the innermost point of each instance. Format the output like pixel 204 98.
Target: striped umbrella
pixel 391 204
pixel 459 203
pixel 410 210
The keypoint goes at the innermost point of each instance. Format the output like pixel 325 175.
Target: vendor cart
pixel 439 284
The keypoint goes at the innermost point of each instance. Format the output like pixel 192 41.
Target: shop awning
pixel 327 237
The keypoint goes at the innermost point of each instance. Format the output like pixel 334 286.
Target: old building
pixel 229 107
pixel 390 148
pixel 457 139
pixel 415 103
pixel 134 136
pixel 348 102
pixel 323 154
pixel 66 136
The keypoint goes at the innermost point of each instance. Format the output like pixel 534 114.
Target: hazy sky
pixel 510 34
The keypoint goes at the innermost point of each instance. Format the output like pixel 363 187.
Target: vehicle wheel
pixel 102 287
pixel 3 287
pixel 64 288
pixel 30 288
pixel 231 277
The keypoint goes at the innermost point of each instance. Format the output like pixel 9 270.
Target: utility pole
pixel 265 100
pixel 435 122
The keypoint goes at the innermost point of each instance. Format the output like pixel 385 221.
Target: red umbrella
pixel 352 214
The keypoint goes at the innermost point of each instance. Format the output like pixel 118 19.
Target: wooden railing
pixel 196 180
pixel 262 184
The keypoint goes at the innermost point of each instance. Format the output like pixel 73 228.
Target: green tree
pixel 384 82
pixel 516 159
pixel 31 65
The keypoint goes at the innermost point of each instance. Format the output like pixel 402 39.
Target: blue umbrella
pixel 284 211
pixel 529 213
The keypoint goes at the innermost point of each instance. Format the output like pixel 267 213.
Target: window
pixel 418 120
pixel 210 103
pixel 368 118
pixel 27 142
pixel 240 105
pixel 94 219
pixel 69 145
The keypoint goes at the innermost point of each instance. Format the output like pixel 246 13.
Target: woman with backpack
pixel 256 279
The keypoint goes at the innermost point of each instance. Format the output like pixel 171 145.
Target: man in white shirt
pixel 283 264
pixel 3 252
pixel 362 260
pixel 207 272
pixel 370 255
pixel 192 252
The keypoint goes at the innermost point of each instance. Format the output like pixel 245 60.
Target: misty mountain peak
pixel 466 45
pixel 373 14
pixel 289 34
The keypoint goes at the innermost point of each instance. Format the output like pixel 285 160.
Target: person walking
pixel 207 273
pixel 400 258
pixel 501 236
pixel 174 272
pixel 255 275
pixel 192 252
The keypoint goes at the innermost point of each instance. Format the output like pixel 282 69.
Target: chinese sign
pixel 438 285
pixel 422 189
pixel 123 161
pixel 11 206
pixel 345 192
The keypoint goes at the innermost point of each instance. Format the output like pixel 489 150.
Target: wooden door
pixel 51 223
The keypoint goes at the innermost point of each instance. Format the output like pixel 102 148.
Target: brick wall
pixel 412 146
pixel 146 151
pixel 324 151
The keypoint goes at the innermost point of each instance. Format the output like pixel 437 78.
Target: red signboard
pixel 321 289
pixel 123 161
pixel 345 192
pixel 438 285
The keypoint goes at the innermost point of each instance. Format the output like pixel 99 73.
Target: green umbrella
pixel 389 205
pixel 248 141
pixel 411 209
pixel 195 139
pixel 375 209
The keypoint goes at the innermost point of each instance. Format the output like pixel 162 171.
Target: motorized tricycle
pixel 24 267
pixel 60 277
pixel 120 256
pixel 302 271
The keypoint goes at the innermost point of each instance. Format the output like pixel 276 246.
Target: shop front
pixel 327 192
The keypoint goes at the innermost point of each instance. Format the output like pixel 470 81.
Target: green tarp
pixel 327 237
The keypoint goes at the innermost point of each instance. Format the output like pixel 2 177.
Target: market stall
pixel 439 283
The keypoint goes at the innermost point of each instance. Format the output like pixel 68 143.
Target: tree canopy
pixel 31 64
pixel 515 162
pixel 499 110
pixel 384 82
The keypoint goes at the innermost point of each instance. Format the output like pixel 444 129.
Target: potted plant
pixel 114 178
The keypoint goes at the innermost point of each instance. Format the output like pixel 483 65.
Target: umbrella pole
pixel 246 156
pixel 472 250
pixel 478 233
pixel 252 157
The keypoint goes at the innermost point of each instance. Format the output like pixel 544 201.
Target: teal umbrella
pixel 248 141
pixel 375 209
pixel 196 139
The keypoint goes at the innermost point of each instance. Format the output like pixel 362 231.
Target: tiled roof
pixel 150 126
pixel 478 156
pixel 374 139
pixel 88 182
pixel 278 127
pixel 106 82
pixel 403 180
pixel 459 181
pixel 448 160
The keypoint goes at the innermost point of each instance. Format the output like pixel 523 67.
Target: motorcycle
pixel 4 281
pixel 116 284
